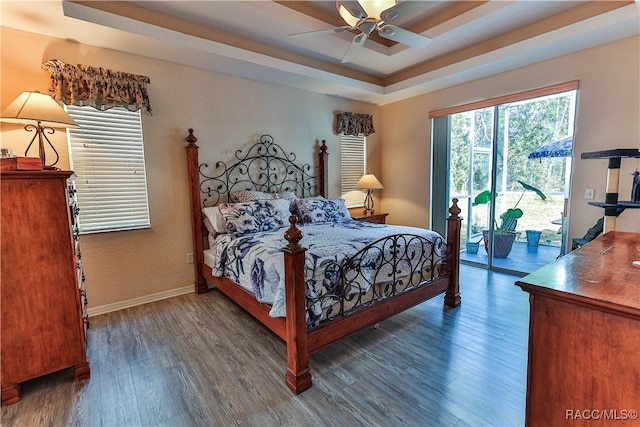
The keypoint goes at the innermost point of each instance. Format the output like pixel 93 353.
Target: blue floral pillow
pixel 313 210
pixel 255 216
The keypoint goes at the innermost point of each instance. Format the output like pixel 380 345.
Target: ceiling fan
pixel 369 15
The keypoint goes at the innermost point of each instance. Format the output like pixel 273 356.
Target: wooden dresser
pixel 584 336
pixel 42 294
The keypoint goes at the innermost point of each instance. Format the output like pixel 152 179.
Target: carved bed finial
pixel 454 210
pixel 191 139
pixel 293 235
pixel 323 147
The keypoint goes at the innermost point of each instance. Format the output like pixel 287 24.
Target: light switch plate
pixel 589 193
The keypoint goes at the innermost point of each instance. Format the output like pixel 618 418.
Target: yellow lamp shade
pixel 369 182
pixel 37 107
pixel 41 114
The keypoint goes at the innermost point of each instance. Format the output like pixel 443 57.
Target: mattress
pixel 209 257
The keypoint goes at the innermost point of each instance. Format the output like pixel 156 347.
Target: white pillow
pixel 215 218
pixel 287 195
pixel 254 195
pixel 250 196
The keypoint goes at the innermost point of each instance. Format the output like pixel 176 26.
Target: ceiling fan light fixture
pixel 367 16
pixel 346 16
pixel 372 8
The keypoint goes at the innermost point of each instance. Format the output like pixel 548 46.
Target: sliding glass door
pixel 509 166
pixel 471 163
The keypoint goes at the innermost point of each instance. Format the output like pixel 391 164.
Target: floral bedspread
pixel 256 261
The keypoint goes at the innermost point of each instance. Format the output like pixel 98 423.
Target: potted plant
pixel 504 234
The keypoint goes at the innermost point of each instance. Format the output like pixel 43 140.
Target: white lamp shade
pixel 37 107
pixel 369 182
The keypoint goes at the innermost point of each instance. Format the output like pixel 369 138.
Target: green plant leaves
pixel 512 214
pixel 482 198
pixel 534 189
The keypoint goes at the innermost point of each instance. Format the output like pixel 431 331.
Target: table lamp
pixel 45 112
pixel 368 183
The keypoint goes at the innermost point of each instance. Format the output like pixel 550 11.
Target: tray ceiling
pixel 470 39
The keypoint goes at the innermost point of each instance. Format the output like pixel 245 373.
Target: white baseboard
pixel 108 308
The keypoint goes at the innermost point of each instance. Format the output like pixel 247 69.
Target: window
pixel 107 155
pixel 353 166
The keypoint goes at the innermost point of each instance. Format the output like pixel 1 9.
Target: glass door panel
pixel 529 191
pixel 469 174
pixel 492 151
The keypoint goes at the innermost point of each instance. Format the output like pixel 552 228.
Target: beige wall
pixel 227 113
pixel 608 117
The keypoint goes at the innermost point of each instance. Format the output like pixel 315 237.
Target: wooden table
pixel 584 336
pixel 377 218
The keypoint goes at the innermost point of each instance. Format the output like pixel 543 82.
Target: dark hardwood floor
pixel 202 361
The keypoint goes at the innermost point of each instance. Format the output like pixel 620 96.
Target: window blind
pixel 352 167
pixel 107 155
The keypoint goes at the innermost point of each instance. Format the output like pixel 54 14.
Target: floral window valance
pixel 100 88
pixel 355 124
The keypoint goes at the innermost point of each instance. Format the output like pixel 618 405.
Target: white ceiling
pixel 250 39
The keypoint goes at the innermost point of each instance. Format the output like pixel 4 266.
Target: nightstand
pixel 377 218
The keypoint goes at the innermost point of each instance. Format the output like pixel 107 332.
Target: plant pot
pixel 472 247
pixel 502 243
pixel 533 238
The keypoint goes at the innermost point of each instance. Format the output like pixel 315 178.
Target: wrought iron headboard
pixel 266 167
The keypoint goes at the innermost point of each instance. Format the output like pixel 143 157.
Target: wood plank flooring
pixel 202 361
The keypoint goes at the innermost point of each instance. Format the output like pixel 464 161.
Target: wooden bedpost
pixel 196 216
pixel 298 374
pixel 324 169
pixel 452 294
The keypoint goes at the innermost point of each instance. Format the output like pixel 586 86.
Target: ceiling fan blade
pixel 313 33
pixel 400 35
pixel 354 47
pixel 404 9
pixel 354 8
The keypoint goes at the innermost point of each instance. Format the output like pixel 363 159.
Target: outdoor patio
pixel 522 258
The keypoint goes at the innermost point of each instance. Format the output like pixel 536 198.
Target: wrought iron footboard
pixel 389 266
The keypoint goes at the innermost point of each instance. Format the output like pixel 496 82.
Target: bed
pixel 266 235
